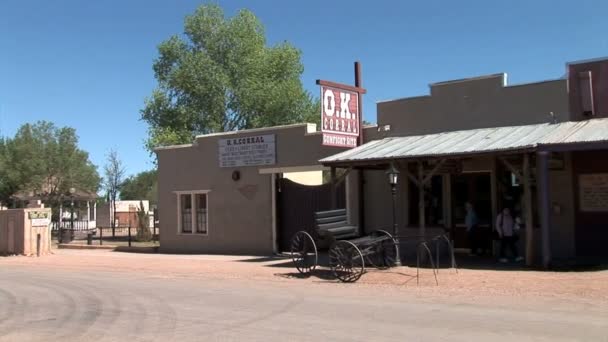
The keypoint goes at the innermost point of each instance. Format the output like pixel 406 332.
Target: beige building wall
pixel 475 103
pixel 18 235
pixel 305 177
pixel 240 213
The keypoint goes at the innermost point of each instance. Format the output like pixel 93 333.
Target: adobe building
pixel 25 231
pixel 538 148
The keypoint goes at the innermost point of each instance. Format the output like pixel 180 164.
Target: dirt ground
pixel 589 287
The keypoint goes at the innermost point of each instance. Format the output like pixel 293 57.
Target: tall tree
pixel 46 160
pixel 140 186
pixel 114 177
pixel 222 76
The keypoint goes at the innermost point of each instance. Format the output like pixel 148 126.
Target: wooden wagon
pixel 349 252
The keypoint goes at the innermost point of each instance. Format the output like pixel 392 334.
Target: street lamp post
pixel 393 179
pixel 60 228
pixel 72 191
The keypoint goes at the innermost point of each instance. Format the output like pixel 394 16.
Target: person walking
pixel 507 228
pixel 471 222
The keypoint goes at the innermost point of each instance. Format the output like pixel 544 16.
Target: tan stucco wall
pixel 18 236
pixel 240 213
pixel 306 177
pixel 475 103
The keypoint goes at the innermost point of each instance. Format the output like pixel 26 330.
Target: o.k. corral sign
pixel 247 151
pixel 341 112
pixel 339 117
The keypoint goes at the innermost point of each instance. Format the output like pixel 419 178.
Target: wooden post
pixel 528 212
pixel 88 211
pixel 447 201
pixel 361 173
pixel 494 195
pixel 421 211
pixel 542 165
pixel 334 202
pixel 405 191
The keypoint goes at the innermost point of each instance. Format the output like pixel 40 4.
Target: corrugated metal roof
pixel 475 141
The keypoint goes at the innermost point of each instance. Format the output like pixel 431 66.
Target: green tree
pixel 222 76
pixel 113 180
pixel 143 221
pixel 142 186
pixel 45 159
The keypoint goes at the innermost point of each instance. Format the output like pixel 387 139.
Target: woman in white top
pixel 507 227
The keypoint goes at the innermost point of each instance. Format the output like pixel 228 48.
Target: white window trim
pixel 192 193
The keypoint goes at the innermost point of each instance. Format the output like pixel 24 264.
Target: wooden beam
pixel 411 177
pixel 512 168
pixel 342 177
pixel 528 211
pixel 341 86
pixel 432 173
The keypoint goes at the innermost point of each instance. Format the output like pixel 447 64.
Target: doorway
pixel 296 205
pixel 475 188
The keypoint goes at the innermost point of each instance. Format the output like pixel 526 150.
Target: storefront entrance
pixel 476 189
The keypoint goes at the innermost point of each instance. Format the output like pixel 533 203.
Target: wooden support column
pixel 88 211
pixel 542 165
pixel 421 209
pixel 494 188
pixel 494 191
pixel 361 173
pixel 334 200
pixel 447 201
pixel 528 211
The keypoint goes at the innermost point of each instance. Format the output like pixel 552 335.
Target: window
pixel 192 212
pixel 201 213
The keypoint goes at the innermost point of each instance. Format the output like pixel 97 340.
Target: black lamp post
pixel 393 179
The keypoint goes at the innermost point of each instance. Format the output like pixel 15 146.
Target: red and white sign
pixel 339 117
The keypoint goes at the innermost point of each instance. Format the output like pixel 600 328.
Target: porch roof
pixel 559 136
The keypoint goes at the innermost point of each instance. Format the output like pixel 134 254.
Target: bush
pixel 143 230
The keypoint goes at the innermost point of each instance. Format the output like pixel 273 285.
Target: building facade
pixel 209 203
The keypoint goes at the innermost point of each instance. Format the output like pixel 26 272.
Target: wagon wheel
pixel 385 251
pixel 304 252
pixel 346 261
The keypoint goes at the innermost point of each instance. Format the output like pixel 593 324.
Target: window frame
pixel 194 221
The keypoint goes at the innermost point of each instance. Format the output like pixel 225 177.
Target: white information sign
pixel 594 192
pixel 247 151
pixel 39 222
pixel 39 218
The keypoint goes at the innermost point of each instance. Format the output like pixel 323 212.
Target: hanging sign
pixel 247 151
pixel 593 192
pixel 339 117
pixel 39 218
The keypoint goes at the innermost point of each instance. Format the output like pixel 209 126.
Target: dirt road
pixel 91 296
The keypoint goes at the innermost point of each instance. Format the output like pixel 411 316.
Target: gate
pixel 296 205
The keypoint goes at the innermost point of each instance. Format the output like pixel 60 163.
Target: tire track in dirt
pixel 8 303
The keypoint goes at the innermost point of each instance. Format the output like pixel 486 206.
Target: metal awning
pixel 476 141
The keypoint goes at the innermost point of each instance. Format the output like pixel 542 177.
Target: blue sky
pixel 88 64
